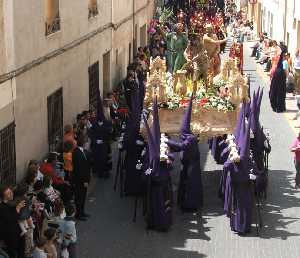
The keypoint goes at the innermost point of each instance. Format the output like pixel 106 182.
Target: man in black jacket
pixel 10 231
pixel 81 177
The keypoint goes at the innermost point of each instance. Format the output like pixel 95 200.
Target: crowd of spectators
pixel 38 216
pixel 267 52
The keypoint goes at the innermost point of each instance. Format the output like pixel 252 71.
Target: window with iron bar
pixel 8 155
pixel 55 120
pixel 93 85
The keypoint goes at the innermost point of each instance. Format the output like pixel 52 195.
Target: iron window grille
pixel 55 120
pixel 8 155
pixel 93 85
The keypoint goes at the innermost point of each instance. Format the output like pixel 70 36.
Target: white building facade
pixel 54 55
pixel 280 19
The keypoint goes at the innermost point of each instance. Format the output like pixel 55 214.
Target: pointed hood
pixel 151 144
pixel 259 100
pixel 242 131
pixel 133 123
pixel 186 122
pixel 253 116
pixel 244 143
pixel 155 125
pixel 239 122
pixel 247 108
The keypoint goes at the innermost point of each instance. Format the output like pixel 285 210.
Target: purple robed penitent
pixel 238 189
pixel 190 192
pixel 99 134
pixel 134 145
pixel 225 153
pixel 277 91
pixel 160 201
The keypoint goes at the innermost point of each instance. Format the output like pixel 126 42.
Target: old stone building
pixel 53 57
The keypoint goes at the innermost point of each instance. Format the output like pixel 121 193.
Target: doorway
pixel 93 85
pixel 106 73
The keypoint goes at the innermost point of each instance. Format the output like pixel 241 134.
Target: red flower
pixel 202 102
pixel 184 102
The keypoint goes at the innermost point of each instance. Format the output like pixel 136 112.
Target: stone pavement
pixel 291 104
pixel 110 232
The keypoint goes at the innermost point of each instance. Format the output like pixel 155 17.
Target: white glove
pixel 139 165
pixel 251 134
pixel 99 141
pixel 252 177
pixel 140 143
pixel 120 146
pixel 148 171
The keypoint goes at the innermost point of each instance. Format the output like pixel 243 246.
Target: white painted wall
pixel 274 18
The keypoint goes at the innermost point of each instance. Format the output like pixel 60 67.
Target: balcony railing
pixel 93 11
pixel 53 27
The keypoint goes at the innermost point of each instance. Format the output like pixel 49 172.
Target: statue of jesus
pixel 212 46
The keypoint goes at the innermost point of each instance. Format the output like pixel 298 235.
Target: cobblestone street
pixel 110 232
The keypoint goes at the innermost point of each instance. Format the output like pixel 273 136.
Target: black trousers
pixel 65 191
pixel 80 198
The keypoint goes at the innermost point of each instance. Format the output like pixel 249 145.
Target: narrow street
pixel 110 232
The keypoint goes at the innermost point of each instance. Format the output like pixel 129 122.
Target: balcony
pixel 93 11
pixel 52 27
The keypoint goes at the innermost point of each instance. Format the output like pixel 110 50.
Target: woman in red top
pixel 48 169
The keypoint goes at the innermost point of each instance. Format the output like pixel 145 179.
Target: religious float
pixel 216 102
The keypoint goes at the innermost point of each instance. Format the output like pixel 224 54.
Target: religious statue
pixel 197 61
pixel 156 80
pixel 238 89
pixel 176 43
pixel 212 46
pixel 236 52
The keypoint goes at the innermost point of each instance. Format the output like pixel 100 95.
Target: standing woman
pixel 277 92
pixel 296 65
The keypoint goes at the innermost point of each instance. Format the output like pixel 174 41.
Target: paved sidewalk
pixel 291 104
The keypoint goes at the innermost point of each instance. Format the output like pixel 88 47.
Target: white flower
pixel 163 157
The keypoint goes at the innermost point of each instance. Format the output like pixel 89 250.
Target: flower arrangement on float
pixel 215 107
